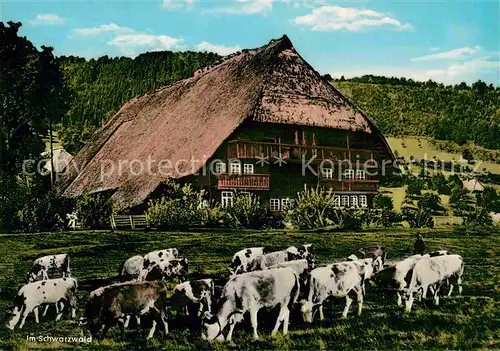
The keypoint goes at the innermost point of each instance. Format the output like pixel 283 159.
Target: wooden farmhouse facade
pixel 262 121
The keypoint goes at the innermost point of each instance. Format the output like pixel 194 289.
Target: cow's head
pixel 13 316
pixel 293 253
pixel 306 308
pixel 211 328
pixel 235 267
pixel 175 252
pixel 307 252
pixel 36 273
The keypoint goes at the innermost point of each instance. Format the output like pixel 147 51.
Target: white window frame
pixel 336 201
pixel 327 172
pixel 235 167
pixel 286 202
pixel 354 201
pixel 248 168
pixel 227 198
pixel 360 174
pixel 220 167
pixel 349 174
pixel 344 200
pixel 363 201
pixel 274 205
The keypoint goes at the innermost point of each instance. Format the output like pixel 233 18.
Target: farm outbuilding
pixel 261 121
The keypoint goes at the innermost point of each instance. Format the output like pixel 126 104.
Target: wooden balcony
pixel 292 152
pixel 243 181
pixel 365 186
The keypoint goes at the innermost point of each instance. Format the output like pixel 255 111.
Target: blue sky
pixel 447 41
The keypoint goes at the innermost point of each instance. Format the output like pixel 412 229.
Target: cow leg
pixel 281 317
pixel 400 302
pixel 25 314
pixel 46 309
pixel 348 302
pixel 450 291
pixel 253 320
pixel 152 331
pixel 138 321
pixel 360 294
pixel 436 295
pixel 35 312
pixel 321 315
pixel 409 301
pixel 459 283
pixel 424 292
pixel 121 325
pixel 286 321
pixel 105 330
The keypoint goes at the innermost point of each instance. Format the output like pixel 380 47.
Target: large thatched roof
pixel 193 117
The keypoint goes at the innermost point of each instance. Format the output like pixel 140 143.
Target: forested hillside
pixel 404 107
pixel 99 87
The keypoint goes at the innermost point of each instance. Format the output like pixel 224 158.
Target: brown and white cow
pixel 158 256
pixel 244 260
pixel 53 264
pixel 166 270
pixel 251 292
pixel 199 292
pixel 60 291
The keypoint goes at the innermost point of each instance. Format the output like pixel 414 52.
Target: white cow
pixel 343 279
pixel 158 256
pixel 33 295
pixel 132 267
pixel 251 292
pixel 244 259
pixel 273 258
pixel 435 271
pixel 51 263
pixel 195 291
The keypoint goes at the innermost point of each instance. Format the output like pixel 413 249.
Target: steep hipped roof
pixel 193 117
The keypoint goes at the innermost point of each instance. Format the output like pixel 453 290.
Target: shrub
pixel 461 201
pixel 42 212
pixel 478 217
pixel 417 217
pixel 415 187
pixel 383 202
pixel 247 211
pixel 94 210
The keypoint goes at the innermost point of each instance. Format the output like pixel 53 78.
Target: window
pixel 248 168
pixel 286 202
pixel 227 198
pixel 349 174
pixel 274 205
pixel 327 173
pixel 220 167
pixel 363 201
pixel 235 168
pixel 354 201
pixel 336 201
pixel 345 200
pixel 360 174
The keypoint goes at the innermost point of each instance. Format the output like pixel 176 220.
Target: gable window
pixel 360 174
pixel 345 200
pixel 227 198
pixel 274 205
pixel 363 201
pixel 248 168
pixel 336 201
pixel 327 173
pixel 349 174
pixel 354 201
pixel 220 168
pixel 235 168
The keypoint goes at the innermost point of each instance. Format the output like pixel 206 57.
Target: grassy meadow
pixel 466 322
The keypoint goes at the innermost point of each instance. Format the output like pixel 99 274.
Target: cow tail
pixel 295 291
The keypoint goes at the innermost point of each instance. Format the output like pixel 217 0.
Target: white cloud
pixel 456 54
pixel 47 19
pixel 246 7
pixel 103 28
pixel 132 44
pixel 330 18
pixel 175 4
pixel 461 71
pixel 218 49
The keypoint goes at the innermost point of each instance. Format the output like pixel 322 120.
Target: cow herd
pixel 286 280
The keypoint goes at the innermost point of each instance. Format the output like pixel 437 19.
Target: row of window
pixel 234 168
pixel 349 174
pixel 280 204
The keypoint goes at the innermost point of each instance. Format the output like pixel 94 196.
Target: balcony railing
pixel 243 181
pixel 368 186
pixel 256 149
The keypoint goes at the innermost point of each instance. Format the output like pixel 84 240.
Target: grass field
pixel 469 321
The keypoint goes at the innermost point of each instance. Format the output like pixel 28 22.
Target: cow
pixel 398 276
pixel 158 256
pixel 111 305
pixel 132 267
pixel 250 292
pixel 378 253
pixel 343 279
pixel 51 263
pixel 435 271
pixel 61 291
pixel 243 259
pixel 194 292
pixel 300 267
pixel 166 270
pixel 274 258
